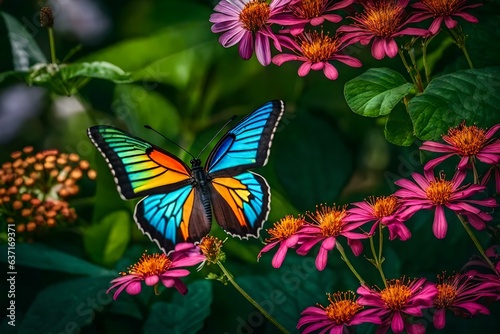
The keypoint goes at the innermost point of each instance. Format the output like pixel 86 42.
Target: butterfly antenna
pixel 211 140
pixel 173 142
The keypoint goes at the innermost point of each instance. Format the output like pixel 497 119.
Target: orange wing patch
pixel 234 193
pixel 187 209
pixel 167 161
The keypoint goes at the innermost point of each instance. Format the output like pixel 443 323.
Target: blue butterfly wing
pixel 174 217
pixel 248 144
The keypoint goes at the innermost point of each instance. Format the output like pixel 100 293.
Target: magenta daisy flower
pixel 316 51
pixel 398 300
pixel 328 223
pixel 152 269
pixel 381 21
pixel 469 143
pixel 299 13
pixel 342 312
pixel 248 22
pixel 283 233
pixel 431 193
pixel 443 10
pixel 386 211
pixel 460 294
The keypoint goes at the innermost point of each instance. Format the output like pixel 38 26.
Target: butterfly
pixel 179 200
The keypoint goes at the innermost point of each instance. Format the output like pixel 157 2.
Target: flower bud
pixel 46 17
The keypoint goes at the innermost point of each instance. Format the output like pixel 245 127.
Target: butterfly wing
pixel 140 168
pixel 247 145
pixel 177 216
pixel 241 203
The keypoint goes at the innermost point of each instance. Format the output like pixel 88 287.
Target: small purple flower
pixel 156 268
pixel 284 234
pixel 431 193
pixel 381 21
pixel 442 11
pixel 328 223
pixel 248 22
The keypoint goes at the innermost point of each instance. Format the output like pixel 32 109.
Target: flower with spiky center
pixel 343 311
pixel 460 294
pixel 432 193
pixel 443 11
pixel 211 248
pixel 285 234
pixel 384 210
pixel 398 300
pixel 248 22
pixel 299 13
pixel 152 269
pixel 316 51
pixel 381 21
pixel 469 143
pixel 327 224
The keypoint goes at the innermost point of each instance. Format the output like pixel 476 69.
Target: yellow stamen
pixel 383 206
pixel 318 47
pixel 254 15
pixel 329 219
pixel 150 265
pixel 285 228
pixel 211 247
pixel 343 307
pixel 396 294
pixel 447 291
pixel 382 18
pixel 467 139
pixel 440 190
pixel 442 7
pixel 308 9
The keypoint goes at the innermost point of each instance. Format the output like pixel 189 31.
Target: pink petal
pixel 397 324
pixel 246 45
pixel 439 319
pixel 232 37
pixel 434 162
pixel 450 23
pixel 133 288
pixel 378 48
pixel 318 21
pixel 332 18
pixel 437 147
pixel 391 48
pixel 349 61
pixel 280 255
pixel 440 226
pixel 436 25
pixel 152 280
pixel 304 69
pixel 330 71
pixel 262 49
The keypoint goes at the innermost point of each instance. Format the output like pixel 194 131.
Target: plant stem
pixel 408 68
pixel 349 264
pixel 250 299
pixel 459 40
pixel 476 242
pixel 427 70
pixel 378 257
pixel 466 54
pixel 418 78
pixel 52 46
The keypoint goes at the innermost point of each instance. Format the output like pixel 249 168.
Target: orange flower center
pixel 395 295
pixel 382 18
pixel 211 247
pixel 329 219
pixel 343 307
pixel 308 9
pixel 446 295
pixel 318 47
pixel 467 139
pixel 439 191
pixel 442 7
pixel 285 228
pixel 254 15
pixel 150 265
pixel 383 206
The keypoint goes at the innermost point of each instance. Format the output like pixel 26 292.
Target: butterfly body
pixel 181 200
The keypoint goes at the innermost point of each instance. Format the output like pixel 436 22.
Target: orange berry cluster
pixel 34 188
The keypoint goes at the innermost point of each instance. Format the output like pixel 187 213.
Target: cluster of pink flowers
pixel 402 300
pixel 298 25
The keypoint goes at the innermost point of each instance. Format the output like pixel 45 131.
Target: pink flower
pixel 284 234
pixel 459 293
pixel 316 51
pixel 398 300
pixel 442 10
pixel 386 211
pixel 248 22
pixel 156 268
pixel 381 21
pixel 431 193
pixel 328 223
pixel 342 312
pixel 468 142
pixel 301 12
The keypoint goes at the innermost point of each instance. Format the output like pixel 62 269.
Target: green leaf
pixel 185 314
pixel 106 241
pixel 311 161
pixel 42 257
pixel 18 74
pixel 399 128
pixel 470 95
pixel 67 306
pixel 96 70
pixel 376 92
pixel 25 51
